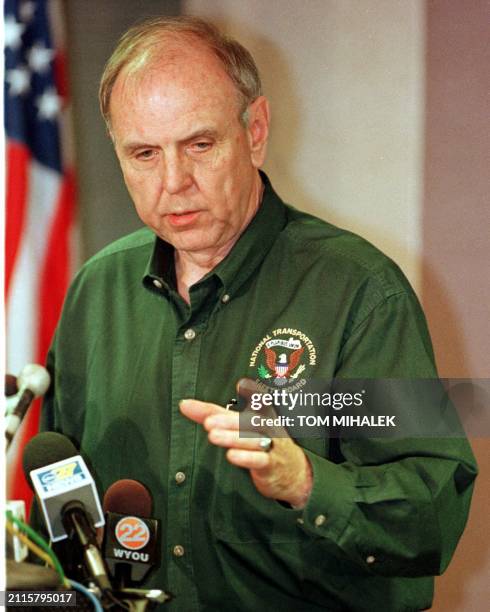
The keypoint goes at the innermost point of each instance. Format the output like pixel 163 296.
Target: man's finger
pixel 251 460
pixel 222 420
pixel 231 439
pixel 198 411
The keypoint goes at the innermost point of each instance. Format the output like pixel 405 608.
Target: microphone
pixel 11 387
pixel 68 498
pixel 32 382
pixel 131 538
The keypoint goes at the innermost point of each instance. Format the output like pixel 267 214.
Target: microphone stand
pixel 141 600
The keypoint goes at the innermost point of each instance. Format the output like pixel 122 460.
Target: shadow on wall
pixel 445 328
pixel 453 588
pixel 464 586
pixel 105 209
pixel 457 248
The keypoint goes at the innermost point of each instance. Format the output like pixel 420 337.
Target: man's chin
pixel 196 240
pixel 191 244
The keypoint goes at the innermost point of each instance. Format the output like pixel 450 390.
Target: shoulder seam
pixel 377 305
pixel 375 271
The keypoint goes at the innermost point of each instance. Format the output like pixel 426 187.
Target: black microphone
pixel 11 387
pixel 131 537
pixel 68 498
pixel 33 381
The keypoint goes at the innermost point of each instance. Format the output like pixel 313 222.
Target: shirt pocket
pixel 239 513
pixel 265 534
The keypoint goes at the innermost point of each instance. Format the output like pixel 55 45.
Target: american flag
pixel 40 231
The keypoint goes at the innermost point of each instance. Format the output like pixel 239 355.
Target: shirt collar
pixel 243 259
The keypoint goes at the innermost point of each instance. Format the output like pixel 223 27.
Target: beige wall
pixel 345 79
pixel 381 124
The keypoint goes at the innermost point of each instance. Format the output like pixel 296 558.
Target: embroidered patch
pixel 282 356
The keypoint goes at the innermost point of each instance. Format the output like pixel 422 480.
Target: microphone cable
pixel 88 594
pixel 34 548
pixel 38 545
pixel 30 534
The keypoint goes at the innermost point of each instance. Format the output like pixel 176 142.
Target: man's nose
pixel 176 173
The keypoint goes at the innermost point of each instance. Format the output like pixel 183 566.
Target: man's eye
pixel 146 154
pixel 201 146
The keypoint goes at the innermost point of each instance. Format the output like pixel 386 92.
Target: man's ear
pixel 258 129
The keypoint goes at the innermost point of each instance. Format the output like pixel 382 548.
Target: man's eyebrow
pixel 131 146
pixel 200 133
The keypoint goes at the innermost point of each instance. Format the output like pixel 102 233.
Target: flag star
pixel 19 80
pixel 26 11
pixel 49 104
pixel 13 31
pixel 39 57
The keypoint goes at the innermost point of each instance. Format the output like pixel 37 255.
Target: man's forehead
pixel 178 58
pixel 177 67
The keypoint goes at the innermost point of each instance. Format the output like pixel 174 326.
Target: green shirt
pixel 384 515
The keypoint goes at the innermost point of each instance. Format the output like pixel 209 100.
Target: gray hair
pixel 143 42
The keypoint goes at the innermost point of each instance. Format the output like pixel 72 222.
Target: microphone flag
pixel 131 545
pixel 62 482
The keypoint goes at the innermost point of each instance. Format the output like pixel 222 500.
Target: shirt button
pixel 300 521
pixel 158 284
pixel 179 477
pixel 178 551
pixel 225 299
pixel 320 520
pixel 370 559
pixel 190 334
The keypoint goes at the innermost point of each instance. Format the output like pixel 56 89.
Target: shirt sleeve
pixel 48 413
pixel 397 507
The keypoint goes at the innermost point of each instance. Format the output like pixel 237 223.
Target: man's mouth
pixel 183 218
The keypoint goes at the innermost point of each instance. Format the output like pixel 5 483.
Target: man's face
pixel 188 161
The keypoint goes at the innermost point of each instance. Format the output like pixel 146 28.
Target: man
pixel 229 282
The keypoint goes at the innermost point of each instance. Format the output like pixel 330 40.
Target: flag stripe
pixel 17 487
pixel 60 74
pixel 23 303
pixel 24 320
pixel 18 159
pixel 56 265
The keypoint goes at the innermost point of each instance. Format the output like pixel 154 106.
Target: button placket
pixel 185 366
